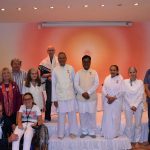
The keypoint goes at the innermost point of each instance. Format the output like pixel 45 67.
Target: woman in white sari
pixel 112 92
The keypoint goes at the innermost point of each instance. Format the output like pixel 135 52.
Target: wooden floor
pixel 143 146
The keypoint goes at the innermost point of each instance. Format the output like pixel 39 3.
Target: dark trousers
pixel 148 102
pixel 5 145
pixel 12 118
pixel 48 87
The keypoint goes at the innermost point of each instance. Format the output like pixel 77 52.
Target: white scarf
pixel 46 62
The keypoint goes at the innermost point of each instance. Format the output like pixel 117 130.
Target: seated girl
pixel 29 115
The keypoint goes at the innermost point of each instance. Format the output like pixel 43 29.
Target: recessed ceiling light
pixel 2 9
pixel 85 6
pixel 51 7
pixel 35 8
pixel 19 9
pixel 68 6
pixel 102 5
pixel 136 4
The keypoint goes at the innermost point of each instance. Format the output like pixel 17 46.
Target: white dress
pixel 112 112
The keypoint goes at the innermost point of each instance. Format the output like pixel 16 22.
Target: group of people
pixel 77 92
pixel 126 95
pixel 22 99
pixel 18 112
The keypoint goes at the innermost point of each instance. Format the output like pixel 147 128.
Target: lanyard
pixel 27 116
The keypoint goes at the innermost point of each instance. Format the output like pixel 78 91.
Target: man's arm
pixel 147 83
pixel 147 90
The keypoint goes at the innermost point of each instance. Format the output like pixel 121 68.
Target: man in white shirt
pixel 46 67
pixel 86 82
pixel 63 96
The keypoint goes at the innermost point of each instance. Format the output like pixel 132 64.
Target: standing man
pixel 46 67
pixel 19 75
pixel 86 82
pixel 147 90
pixel 63 96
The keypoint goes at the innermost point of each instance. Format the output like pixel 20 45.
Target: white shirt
pixel 86 81
pixel 37 92
pixel 113 86
pixel 62 83
pixel 30 115
pixel 134 92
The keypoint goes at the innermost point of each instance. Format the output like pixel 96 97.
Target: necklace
pixel 28 114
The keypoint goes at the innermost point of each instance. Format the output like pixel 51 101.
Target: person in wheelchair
pixel 29 116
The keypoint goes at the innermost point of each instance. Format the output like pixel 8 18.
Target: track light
pixel 86 23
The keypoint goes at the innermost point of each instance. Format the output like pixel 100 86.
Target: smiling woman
pixel 34 86
pixel 9 95
pixel 29 115
pixel 134 99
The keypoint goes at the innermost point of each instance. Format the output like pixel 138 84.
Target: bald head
pixel 132 71
pixel 51 51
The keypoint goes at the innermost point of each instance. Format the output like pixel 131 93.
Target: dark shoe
pixel 93 136
pixel 83 135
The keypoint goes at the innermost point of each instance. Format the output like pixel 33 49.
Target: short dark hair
pixel 28 93
pixel 86 57
pixel 62 53
pixel 117 68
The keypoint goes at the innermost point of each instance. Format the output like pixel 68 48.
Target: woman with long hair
pixel 34 86
pixel 10 96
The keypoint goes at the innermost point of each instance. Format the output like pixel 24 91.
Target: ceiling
pixel 74 10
